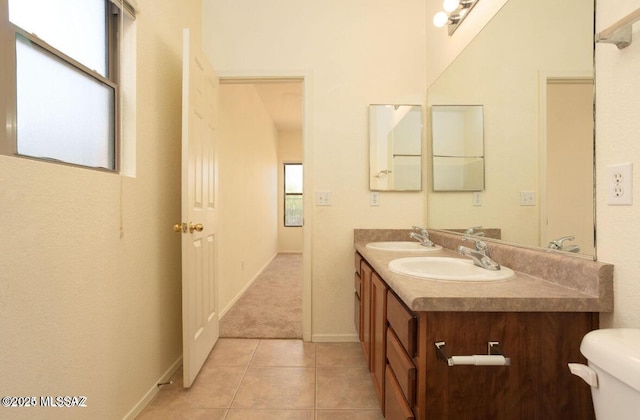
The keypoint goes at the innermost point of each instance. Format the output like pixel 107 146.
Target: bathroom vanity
pixel 538 318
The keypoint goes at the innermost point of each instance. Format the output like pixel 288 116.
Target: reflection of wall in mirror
pixel 458 174
pixel 406 151
pixel 395 147
pixel 379 123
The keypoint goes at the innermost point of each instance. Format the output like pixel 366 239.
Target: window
pixel 293 194
pixel 62 90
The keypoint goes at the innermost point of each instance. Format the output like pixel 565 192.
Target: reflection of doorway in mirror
pixel 568 170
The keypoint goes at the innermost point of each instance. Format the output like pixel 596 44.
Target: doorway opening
pixel 567 159
pixel 266 115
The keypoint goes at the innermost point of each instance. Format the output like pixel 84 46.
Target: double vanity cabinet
pixel 400 319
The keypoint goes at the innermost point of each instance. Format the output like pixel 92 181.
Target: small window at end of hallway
pixel 293 194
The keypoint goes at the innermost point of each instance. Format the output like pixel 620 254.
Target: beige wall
pixel 290 239
pixel 353 53
pixel 248 176
pixel 89 264
pixel 617 128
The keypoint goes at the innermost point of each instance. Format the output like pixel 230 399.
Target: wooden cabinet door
pixel 537 385
pixel 378 334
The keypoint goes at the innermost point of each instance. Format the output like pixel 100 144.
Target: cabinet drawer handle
pixel 493 358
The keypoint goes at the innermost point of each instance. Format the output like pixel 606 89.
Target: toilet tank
pixel 614 355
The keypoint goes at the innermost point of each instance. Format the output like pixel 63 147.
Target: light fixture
pixel 454 13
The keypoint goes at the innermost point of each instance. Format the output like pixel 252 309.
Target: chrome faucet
pixel 474 231
pixel 421 235
pixel 559 244
pixel 480 255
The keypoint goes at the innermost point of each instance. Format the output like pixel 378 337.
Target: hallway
pixel 272 306
pixel 273 380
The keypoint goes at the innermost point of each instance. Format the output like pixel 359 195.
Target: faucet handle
pixel 481 246
pixel 559 243
pixel 422 230
pixel 472 231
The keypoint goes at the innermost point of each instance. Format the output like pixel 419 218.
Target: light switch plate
pixel 324 198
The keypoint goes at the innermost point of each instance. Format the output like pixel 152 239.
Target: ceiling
pixel 283 101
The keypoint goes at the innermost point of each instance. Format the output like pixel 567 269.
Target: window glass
pixel 62 113
pixel 293 194
pixel 75 27
pixel 293 178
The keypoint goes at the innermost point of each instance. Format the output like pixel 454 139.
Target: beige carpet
pixel 272 306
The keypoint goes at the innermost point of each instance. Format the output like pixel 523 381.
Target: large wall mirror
pixel 531 68
pixel 395 147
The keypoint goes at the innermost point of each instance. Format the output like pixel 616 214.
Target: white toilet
pixel 614 372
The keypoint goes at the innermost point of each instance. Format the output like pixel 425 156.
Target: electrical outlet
pixel 477 199
pixel 374 199
pixel 620 185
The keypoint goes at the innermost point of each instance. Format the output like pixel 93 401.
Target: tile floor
pixel 253 379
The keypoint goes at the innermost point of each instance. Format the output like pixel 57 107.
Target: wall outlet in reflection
pixel 527 198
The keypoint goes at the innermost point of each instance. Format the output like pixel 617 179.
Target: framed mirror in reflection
pixel 457 145
pixel 395 147
pixel 532 70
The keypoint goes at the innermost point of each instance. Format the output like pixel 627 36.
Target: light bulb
pixel 450 5
pixel 440 19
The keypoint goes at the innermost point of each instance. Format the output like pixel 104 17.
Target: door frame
pixel 249 77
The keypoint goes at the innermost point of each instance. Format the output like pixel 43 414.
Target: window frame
pixel 285 195
pixel 9 32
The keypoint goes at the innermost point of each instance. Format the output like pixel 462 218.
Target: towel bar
pixel 620 32
pixel 493 357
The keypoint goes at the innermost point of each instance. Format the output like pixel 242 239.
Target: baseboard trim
pixel 244 289
pixel 335 338
pixel 148 396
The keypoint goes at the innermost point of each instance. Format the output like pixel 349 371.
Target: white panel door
pixel 200 327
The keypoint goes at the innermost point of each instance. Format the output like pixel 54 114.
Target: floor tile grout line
pixel 244 374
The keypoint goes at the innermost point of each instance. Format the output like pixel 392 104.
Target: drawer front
pixel 403 323
pixel 357 283
pixel 357 314
pixel 402 366
pixel 357 261
pixel 396 407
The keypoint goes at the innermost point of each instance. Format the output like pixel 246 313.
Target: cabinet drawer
pixel 357 261
pixel 357 283
pixel 396 407
pixel 402 366
pixel 403 323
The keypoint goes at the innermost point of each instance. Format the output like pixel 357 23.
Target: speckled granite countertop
pixel 544 281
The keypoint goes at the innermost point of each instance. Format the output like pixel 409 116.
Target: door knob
pixel 180 227
pixel 195 226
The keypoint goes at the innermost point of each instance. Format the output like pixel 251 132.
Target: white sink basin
pixel 408 246
pixel 450 269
